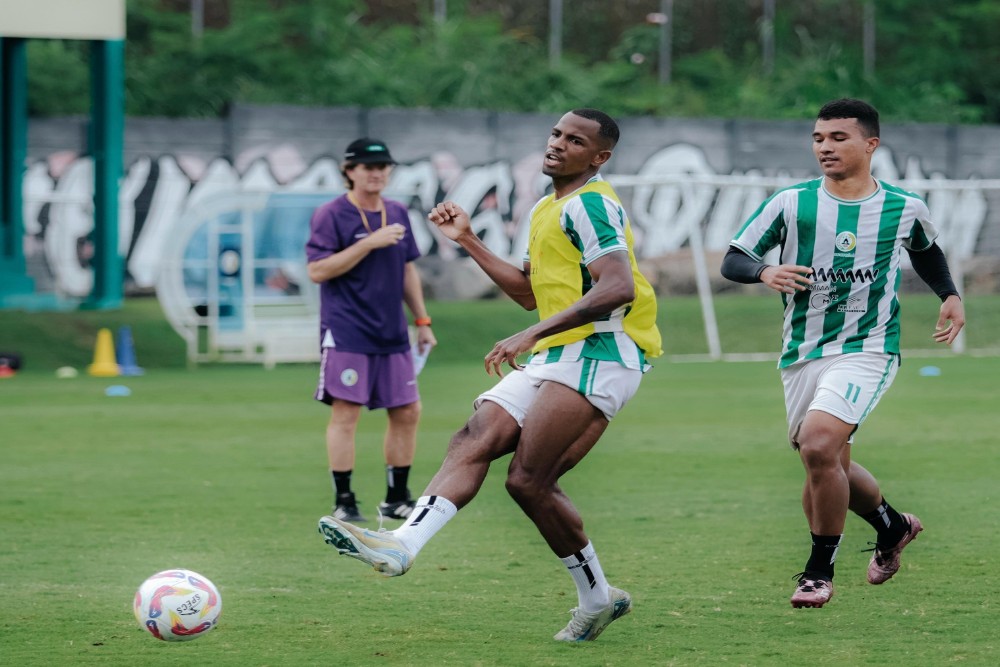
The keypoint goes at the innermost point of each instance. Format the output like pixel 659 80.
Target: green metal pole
pixel 107 126
pixel 4 78
pixel 13 152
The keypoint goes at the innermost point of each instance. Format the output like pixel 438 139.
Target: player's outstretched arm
pixel 454 223
pixel 932 267
pixel 951 319
pixel 613 287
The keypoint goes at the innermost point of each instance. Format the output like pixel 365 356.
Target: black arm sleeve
pixel 741 267
pixel 932 267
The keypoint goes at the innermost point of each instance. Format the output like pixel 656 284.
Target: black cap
pixel 368 151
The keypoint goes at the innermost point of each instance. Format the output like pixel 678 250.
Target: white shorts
pixel 847 386
pixel 606 384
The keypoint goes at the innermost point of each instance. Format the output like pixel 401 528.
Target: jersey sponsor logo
pixel 820 300
pixel 349 377
pixel 824 299
pixel 853 304
pixel 845 276
pixel 846 241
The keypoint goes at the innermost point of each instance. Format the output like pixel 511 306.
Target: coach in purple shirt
pixel 360 252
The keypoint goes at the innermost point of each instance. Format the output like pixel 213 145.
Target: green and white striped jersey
pixel 853 248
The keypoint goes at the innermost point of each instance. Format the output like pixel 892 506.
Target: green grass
pixel 466 330
pixel 691 499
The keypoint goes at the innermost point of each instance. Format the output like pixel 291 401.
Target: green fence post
pixel 14 281
pixel 107 125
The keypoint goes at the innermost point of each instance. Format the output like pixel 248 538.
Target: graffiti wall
pixel 488 162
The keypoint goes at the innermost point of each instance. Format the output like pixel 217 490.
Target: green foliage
pixel 931 59
pixel 58 81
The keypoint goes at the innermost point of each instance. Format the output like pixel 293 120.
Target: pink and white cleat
pixel 885 563
pixel 812 592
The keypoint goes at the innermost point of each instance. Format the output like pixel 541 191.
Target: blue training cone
pixel 125 353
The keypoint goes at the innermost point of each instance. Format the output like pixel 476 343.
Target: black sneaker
pixel 399 509
pixel 346 508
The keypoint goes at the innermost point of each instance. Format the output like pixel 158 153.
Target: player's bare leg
pixel 825 454
pixel 559 430
pixel 895 530
pixel 400 443
pixel 399 447
pixel 490 433
pixel 865 493
pixel 340 435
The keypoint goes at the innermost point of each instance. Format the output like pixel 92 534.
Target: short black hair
pixel 846 107
pixel 609 128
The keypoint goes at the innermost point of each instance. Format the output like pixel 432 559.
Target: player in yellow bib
pixel 596 328
pixel 567 234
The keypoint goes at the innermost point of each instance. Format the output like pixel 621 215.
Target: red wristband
pixel 422 321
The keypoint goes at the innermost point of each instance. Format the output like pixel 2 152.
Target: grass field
pixel 748 323
pixel 691 499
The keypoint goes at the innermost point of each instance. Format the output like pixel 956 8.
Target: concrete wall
pixel 489 160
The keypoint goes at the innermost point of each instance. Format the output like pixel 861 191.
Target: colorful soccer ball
pixel 177 605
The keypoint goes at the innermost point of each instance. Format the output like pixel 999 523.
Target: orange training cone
pixel 104 365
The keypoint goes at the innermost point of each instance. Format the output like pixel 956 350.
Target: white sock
pixel 428 517
pixel 591 586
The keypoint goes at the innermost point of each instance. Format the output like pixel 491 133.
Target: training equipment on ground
pixel 125 353
pixel 177 605
pixel 9 363
pixel 104 365
pixel 11 360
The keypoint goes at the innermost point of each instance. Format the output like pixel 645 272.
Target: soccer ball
pixel 177 605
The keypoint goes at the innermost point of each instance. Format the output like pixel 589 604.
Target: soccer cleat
pixel 382 550
pixel 885 563
pixel 346 508
pixel 399 509
pixel 811 592
pixel 587 626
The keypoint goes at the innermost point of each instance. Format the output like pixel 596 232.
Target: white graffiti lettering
pixel 156 192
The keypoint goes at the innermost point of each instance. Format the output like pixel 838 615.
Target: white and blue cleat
pixel 382 550
pixel 587 626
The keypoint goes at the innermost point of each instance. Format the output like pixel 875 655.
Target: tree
pixel 935 60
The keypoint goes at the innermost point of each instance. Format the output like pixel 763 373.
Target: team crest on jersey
pixel 349 377
pixel 846 241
